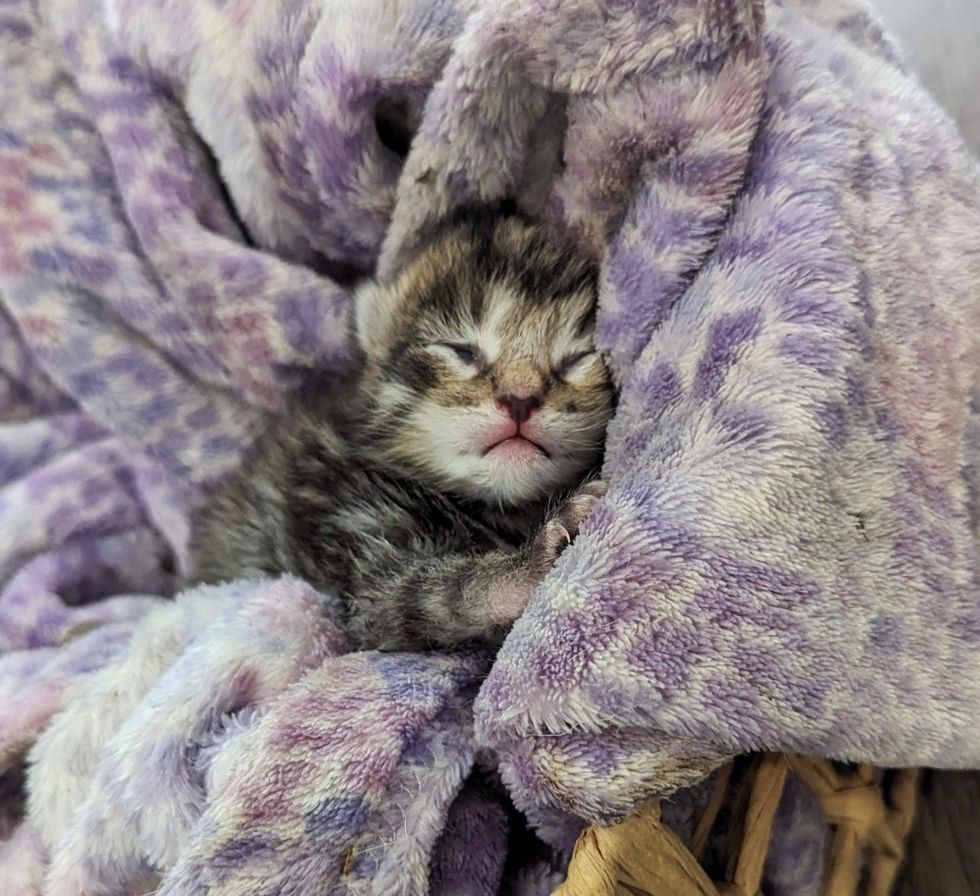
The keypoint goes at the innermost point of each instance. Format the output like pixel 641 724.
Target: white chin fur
pixel 450 443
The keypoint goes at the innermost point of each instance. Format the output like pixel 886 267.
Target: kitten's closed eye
pixel 571 364
pixel 468 354
pixel 460 354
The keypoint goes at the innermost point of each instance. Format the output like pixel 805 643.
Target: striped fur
pixel 388 490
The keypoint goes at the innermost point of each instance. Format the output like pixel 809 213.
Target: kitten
pixel 421 494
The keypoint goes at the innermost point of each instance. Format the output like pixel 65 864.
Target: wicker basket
pixel 642 857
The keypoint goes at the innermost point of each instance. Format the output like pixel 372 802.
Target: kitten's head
pixel 481 364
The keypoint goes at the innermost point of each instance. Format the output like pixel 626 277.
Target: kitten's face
pixel 483 367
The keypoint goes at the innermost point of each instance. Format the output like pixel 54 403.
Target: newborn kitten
pixel 421 495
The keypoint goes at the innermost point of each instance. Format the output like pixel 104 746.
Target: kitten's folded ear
pixel 374 313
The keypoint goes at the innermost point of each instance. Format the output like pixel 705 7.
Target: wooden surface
pixel 869 814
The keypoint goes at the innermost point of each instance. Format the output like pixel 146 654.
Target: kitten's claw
pixel 559 532
pixel 513 593
pixel 548 544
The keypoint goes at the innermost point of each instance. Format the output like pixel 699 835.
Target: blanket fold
pixel 792 470
pixel 786 558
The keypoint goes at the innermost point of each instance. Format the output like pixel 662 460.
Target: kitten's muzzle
pixel 520 407
pixel 512 434
pixel 519 441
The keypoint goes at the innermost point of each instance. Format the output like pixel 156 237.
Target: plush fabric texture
pixel 787 556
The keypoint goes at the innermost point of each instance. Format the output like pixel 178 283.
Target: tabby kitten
pixel 421 494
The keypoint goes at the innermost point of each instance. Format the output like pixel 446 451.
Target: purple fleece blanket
pixel 789 234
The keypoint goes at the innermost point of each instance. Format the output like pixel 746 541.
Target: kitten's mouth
pixel 517 446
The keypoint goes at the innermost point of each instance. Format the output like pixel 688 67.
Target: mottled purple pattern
pixel 790 300
pixel 787 556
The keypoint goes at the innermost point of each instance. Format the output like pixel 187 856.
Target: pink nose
pixel 521 407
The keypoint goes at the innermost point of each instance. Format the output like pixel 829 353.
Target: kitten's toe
pixel 578 507
pixel 550 541
pixel 597 488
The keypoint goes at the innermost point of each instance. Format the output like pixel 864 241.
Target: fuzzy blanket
pixel 786 558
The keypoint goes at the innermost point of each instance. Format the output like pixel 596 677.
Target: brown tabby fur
pixel 391 493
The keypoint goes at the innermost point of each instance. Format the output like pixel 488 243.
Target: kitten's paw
pixel 514 589
pixel 547 546
pixel 577 508
pixel 510 598
pixel 558 533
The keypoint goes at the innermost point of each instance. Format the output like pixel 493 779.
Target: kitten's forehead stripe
pixel 456 269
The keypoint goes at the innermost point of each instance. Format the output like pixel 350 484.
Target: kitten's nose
pixel 520 407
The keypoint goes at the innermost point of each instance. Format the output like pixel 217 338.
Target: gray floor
pixel 942 40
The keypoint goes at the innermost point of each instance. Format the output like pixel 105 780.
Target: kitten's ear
pixel 374 310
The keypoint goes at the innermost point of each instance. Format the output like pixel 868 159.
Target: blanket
pixel 786 559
